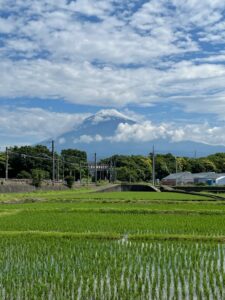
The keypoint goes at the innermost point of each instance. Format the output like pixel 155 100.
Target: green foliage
pixel 219 161
pixel 132 168
pixel 73 159
pixel 24 175
pixel 26 158
pixel 202 165
pixel 2 164
pixel 38 176
pixel 69 181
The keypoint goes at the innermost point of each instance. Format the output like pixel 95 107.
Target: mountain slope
pixel 96 132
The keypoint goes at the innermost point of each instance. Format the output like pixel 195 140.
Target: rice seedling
pixel 48 268
pixel 80 245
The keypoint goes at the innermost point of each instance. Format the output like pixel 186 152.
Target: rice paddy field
pixel 121 245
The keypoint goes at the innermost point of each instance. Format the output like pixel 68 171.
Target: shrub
pixel 69 181
pixel 37 177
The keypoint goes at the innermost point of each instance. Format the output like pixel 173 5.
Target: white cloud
pixel 62 141
pixel 55 49
pixel 147 131
pixel 36 124
pixel 139 132
pixel 87 139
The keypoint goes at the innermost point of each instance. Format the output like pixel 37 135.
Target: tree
pixel 132 168
pixel 161 168
pixel 219 161
pixel 27 158
pixel 2 164
pixel 209 166
pixel 24 175
pixel 69 181
pixel 38 176
pixel 126 175
pixel 202 165
pixel 182 164
pixel 73 159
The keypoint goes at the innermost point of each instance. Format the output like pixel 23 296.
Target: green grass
pixel 119 205
pixel 113 213
pixel 75 195
pixel 130 223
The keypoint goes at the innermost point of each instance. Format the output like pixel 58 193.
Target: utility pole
pixel 6 163
pixel 63 169
pixel 58 169
pixel 110 171
pixel 176 168
pixel 96 169
pixel 115 174
pixel 53 162
pixel 195 154
pixel 153 165
pixel 87 174
pixel 80 174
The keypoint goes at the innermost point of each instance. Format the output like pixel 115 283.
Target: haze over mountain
pixel 110 132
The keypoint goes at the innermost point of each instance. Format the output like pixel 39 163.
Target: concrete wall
pixel 128 188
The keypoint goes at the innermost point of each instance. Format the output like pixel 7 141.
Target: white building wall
pixel 220 180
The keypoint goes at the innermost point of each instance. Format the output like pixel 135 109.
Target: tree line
pixel 139 168
pixel 28 161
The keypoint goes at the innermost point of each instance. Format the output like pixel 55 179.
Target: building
pixel 210 178
pixel 187 178
pixel 182 178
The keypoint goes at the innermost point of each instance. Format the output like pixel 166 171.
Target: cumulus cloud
pixel 139 132
pixel 87 139
pixel 114 53
pixel 147 131
pixel 36 124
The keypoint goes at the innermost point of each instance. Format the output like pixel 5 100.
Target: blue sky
pixel 160 61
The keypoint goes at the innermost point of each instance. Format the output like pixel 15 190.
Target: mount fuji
pixel 97 133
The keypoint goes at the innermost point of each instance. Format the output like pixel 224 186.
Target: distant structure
pixel 187 178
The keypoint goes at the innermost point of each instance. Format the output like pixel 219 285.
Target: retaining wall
pixel 128 188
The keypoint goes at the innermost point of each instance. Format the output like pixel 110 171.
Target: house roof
pixel 193 176
pixel 183 175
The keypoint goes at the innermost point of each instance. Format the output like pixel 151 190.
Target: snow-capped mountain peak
pixel 107 115
pixel 97 134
